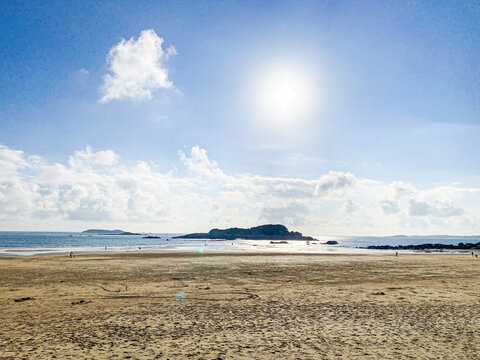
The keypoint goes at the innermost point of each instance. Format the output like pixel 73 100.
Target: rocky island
pixel 107 232
pixel 262 232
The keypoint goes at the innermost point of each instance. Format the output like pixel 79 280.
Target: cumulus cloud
pixel 390 207
pixel 11 160
pixel 137 68
pixel 199 163
pixel 291 214
pixel 334 183
pixel 87 157
pixel 95 186
pixel 350 207
pixel 437 209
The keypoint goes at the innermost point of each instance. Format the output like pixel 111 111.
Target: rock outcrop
pixel 460 246
pixel 107 232
pixel 263 232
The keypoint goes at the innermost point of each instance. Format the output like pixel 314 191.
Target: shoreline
pixel 238 247
pixel 337 251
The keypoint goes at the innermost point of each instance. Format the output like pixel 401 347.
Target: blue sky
pixel 392 90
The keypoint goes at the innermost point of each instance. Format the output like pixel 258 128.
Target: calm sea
pixel 31 243
pixel 16 239
pixel 360 241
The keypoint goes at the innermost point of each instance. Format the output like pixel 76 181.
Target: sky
pixel 331 117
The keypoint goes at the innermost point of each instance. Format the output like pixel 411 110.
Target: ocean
pixel 35 243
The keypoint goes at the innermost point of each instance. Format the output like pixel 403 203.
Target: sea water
pixel 34 243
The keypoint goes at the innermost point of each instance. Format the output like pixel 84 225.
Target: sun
pixel 283 94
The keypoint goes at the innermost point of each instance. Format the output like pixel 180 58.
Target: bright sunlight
pixel 284 95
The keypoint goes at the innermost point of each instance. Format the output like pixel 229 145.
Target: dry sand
pixel 240 306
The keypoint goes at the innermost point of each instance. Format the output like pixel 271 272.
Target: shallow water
pixel 35 243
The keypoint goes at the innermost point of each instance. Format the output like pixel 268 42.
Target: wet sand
pixel 240 306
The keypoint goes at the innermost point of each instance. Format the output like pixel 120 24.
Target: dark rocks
pixel 79 302
pixel 24 299
pixel 460 246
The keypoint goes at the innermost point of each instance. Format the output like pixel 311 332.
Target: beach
pixel 190 305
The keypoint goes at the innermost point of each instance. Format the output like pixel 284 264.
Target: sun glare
pixel 283 95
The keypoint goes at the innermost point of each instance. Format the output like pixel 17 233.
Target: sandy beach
pixel 252 306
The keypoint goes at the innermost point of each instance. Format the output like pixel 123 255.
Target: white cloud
pixel 97 188
pixel 350 207
pixel 199 163
pixel 436 209
pixel 137 68
pixel 290 214
pixel 390 207
pixel 335 183
pixel 11 160
pixel 87 157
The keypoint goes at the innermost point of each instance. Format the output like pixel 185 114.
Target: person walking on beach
pixel 71 254
pixel 396 253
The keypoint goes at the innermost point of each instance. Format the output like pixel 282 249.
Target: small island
pixel 108 232
pixel 262 232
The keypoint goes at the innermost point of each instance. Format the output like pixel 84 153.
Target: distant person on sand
pixel 396 254
pixel 472 254
pixel 71 254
